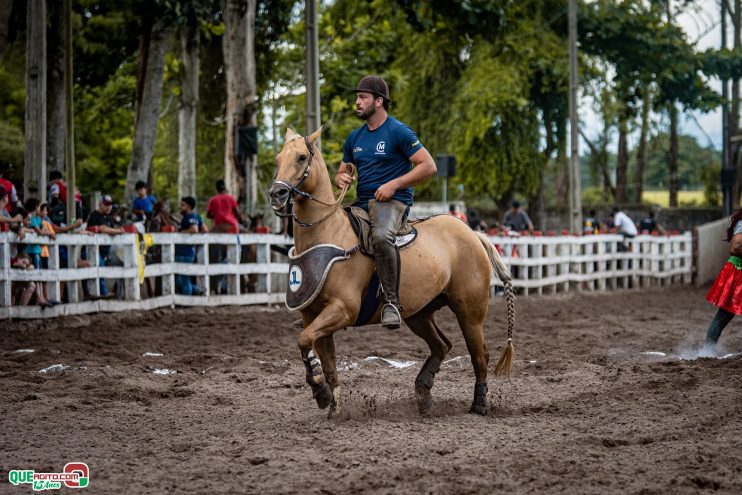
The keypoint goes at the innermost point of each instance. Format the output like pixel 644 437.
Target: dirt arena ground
pixel 586 410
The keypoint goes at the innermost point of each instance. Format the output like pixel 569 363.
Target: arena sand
pixel 591 406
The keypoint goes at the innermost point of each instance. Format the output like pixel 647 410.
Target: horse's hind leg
pixel 471 320
pixel 423 325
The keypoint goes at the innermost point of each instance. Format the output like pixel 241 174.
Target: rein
pixel 294 191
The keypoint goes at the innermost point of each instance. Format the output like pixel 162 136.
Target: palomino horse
pixel 448 265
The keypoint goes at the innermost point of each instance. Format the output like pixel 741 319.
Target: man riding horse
pixel 381 150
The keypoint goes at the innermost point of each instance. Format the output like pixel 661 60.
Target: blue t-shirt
pixel 381 155
pixel 186 223
pixel 33 248
pixel 144 204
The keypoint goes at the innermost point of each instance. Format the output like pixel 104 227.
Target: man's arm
pixel 105 229
pixel 423 169
pixel 67 228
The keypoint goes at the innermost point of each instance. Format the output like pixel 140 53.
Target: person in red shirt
pixel 222 209
pixel 452 210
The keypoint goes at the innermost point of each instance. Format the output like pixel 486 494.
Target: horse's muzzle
pixel 280 195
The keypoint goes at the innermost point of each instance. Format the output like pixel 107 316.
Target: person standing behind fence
pixel 143 204
pixel 623 225
pixel 186 253
pixel 590 224
pixel 452 210
pixel 101 218
pixel 649 224
pixel 517 219
pixel 5 218
pixel 726 293
pixel 223 210
pixel 9 187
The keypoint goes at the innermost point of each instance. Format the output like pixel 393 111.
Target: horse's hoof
pixel 323 395
pixel 424 399
pixel 480 409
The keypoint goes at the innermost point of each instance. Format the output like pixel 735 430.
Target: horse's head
pixel 294 165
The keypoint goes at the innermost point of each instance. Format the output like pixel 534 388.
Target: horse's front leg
pixel 332 318
pixel 325 349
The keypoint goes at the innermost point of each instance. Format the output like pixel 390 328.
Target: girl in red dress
pixel 726 293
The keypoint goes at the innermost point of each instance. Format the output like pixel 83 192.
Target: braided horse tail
pixel 505 360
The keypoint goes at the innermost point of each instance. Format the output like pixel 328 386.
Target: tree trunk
pixel 622 160
pixel 142 58
pixel 34 171
pixel 561 165
pixel 189 43
pixel 55 110
pixel 239 65
pixel 672 156
pixel 145 131
pixel 601 157
pixel 641 152
pixel 6 7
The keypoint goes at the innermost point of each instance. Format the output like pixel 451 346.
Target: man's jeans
pixel 183 283
pixel 103 289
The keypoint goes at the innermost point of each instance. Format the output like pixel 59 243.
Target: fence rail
pixel 539 265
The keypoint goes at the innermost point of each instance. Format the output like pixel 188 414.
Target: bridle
pixel 295 191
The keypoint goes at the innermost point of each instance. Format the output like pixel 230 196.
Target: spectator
pixel 222 209
pixel 5 218
pixel 58 189
pixel 101 218
pixel 649 224
pixel 32 222
pixel 58 218
pixel 452 210
pixel 24 291
pixel 9 187
pixel 517 219
pixel 143 203
pixel 475 221
pixel 622 223
pixel 186 253
pixel 590 224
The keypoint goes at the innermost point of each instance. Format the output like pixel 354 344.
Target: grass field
pixel 662 198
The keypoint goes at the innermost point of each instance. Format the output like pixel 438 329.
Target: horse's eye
pixel 302 158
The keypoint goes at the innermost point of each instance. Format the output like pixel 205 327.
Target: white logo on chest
pixel 295 278
pixel 380 147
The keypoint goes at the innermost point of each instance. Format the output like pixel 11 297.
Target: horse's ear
pixel 289 134
pixel 316 134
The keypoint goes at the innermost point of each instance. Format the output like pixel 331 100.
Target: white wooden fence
pixel 539 265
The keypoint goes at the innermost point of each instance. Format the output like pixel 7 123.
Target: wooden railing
pixel 538 264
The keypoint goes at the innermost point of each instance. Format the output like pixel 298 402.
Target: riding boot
pixel 386 219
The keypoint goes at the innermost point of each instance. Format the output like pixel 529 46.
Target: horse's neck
pixel 336 229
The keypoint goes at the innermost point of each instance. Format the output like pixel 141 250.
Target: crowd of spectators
pixel 48 217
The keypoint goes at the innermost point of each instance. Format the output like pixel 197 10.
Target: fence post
pixel 94 258
pixel 53 265
pixel 6 285
pixel 167 252
pixel 131 260
pixel 263 255
pixel 233 258
pixel 73 253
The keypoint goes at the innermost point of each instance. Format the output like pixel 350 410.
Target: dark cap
pixel 374 85
pixel 106 200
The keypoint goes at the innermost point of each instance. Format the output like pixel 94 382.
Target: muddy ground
pixel 585 411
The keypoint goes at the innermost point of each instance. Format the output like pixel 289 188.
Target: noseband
pixel 295 191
